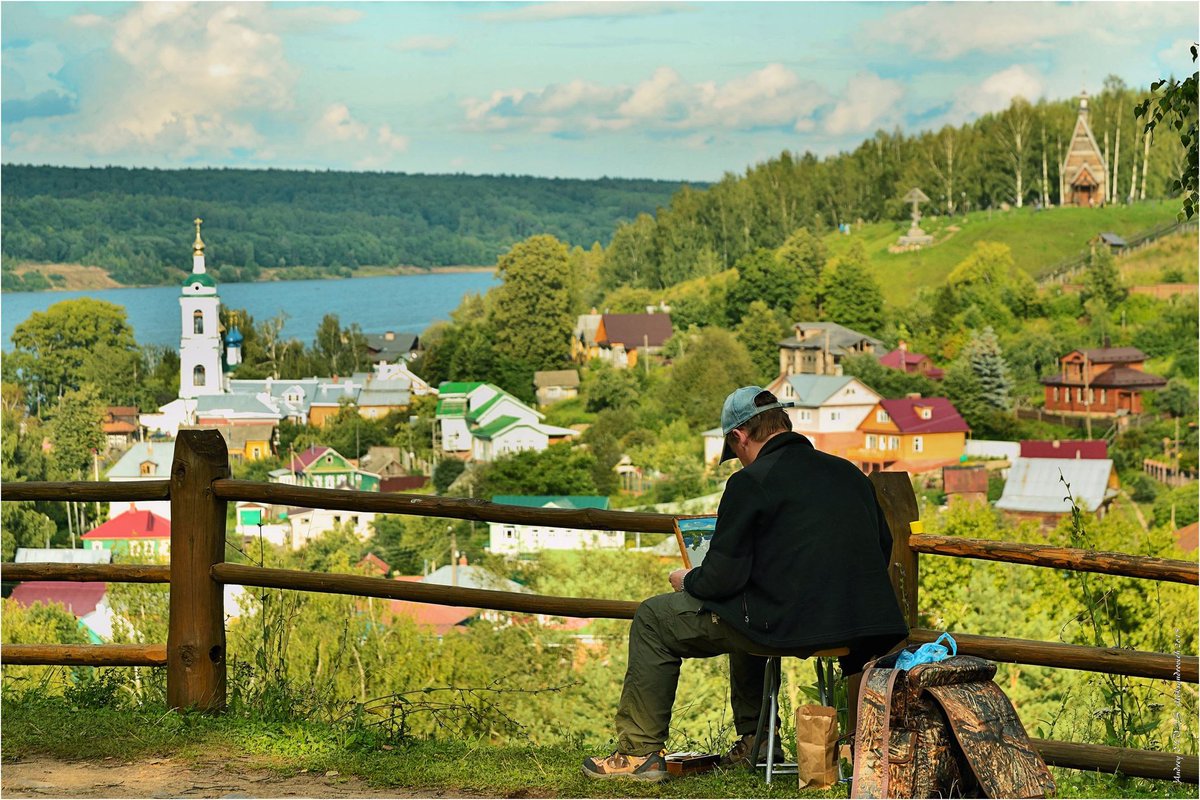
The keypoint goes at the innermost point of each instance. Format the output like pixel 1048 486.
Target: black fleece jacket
pixel 800 553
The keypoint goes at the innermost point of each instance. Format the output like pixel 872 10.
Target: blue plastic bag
pixel 927 653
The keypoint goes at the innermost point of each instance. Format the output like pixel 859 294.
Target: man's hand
pixel 676 579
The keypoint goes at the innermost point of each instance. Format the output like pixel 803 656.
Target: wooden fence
pixel 194 654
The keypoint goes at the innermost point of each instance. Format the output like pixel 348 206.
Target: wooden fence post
pixel 899 503
pixel 196 633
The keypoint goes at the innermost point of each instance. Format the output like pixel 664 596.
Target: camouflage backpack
pixel 947 731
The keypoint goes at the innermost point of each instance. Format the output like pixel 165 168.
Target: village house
pixel 552 385
pixel 86 600
pixel 1103 382
pixel 306 524
pixel 323 467
pixel 245 441
pixel 481 421
pixel 1084 173
pixel 622 339
pixel 144 461
pixel 136 533
pixel 1064 448
pixel 583 339
pixel 965 484
pixel 120 426
pixel 390 347
pixel 513 539
pixel 817 348
pixel 913 434
pixel 1036 488
pixel 911 363
pixel 828 408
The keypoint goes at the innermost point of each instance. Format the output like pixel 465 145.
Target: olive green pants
pixel 666 629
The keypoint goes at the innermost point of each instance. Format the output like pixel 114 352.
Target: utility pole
pixel 96 475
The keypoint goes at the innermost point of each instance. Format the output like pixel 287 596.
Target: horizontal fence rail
pixel 89 491
pixel 1134 763
pixel 86 655
pixel 1075 559
pixel 363 586
pixel 1135 663
pixel 103 573
pixel 430 506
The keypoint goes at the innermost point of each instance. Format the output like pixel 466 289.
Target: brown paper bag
pixel 816 746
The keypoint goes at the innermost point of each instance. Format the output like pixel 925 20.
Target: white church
pixel 207 396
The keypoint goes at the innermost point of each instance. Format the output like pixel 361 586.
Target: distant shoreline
pixel 83 278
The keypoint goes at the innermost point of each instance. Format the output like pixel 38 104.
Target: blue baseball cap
pixel 739 409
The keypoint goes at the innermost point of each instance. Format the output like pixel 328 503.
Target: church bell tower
pixel 200 345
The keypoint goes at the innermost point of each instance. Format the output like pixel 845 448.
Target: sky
pixel 680 91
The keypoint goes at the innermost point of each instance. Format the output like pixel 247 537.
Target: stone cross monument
pixel 915 236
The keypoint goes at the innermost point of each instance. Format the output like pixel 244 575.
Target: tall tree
pixel 762 277
pixel 760 331
pixel 1014 129
pixel 1176 102
pixel 713 364
pixel 1102 279
pixel 849 294
pixel 983 355
pixel 76 430
pixel 54 349
pixel 806 255
pixel 531 312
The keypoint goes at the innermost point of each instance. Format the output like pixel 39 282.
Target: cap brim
pixel 726 453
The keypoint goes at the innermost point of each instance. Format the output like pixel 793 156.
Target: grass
pixel 1146 266
pixel 50 727
pixel 1039 240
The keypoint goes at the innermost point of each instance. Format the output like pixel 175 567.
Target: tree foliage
pixel 850 295
pixel 713 365
pixel 1176 102
pixel 559 469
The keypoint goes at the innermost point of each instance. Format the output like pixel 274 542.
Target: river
pixel 407 303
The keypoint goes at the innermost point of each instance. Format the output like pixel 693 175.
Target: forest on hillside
pixel 136 223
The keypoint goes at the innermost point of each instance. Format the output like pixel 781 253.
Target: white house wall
pixel 508 539
pixel 455 436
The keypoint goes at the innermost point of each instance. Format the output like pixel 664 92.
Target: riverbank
pixel 37 277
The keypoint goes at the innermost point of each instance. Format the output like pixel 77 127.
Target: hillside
pixel 136 223
pixel 1039 240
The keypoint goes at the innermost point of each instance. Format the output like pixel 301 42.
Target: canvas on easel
pixel 694 535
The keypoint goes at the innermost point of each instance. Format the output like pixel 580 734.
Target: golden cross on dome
pixel 198 245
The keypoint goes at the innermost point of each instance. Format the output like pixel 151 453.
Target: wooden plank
pixel 1112 660
pixel 196 628
pixel 104 573
pixel 361 586
pixel 90 491
pixel 899 503
pixel 1135 763
pixel 1105 563
pixel 431 506
pixel 86 655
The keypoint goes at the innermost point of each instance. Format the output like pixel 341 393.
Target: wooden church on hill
pixel 1084 173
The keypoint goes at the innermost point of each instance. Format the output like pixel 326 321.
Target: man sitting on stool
pixel 798 563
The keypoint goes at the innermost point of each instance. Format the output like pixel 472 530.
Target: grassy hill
pixel 1039 240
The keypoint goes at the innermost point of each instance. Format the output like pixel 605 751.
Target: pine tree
pixel 987 363
pixel 1102 280
pixel 849 294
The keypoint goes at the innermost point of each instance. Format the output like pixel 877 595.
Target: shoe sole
pixel 644 777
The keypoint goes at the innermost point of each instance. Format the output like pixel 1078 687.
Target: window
pixel 918 444
pixel 871 441
pixel 198 376
pixel 806 416
pixel 882 416
pixel 1056 394
pixel 146 468
pixel 925 412
pixel 834 416
pixel 1103 396
pixel 893 443
pixel 255 452
pixel 337 519
pixel 198 322
pixel 1091 395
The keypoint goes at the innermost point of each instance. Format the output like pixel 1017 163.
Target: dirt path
pixel 47 777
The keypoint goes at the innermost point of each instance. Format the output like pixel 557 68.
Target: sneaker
pixel 618 765
pixel 743 748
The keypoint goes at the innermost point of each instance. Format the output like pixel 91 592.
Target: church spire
pixel 198 245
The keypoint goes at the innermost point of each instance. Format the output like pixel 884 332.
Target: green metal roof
pixel 458 387
pixel 561 500
pixel 451 407
pixel 202 278
pixel 494 427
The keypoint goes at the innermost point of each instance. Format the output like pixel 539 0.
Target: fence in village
pixel 1069 267
pixel 194 655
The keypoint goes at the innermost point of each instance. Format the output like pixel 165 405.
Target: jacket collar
pixel 785 439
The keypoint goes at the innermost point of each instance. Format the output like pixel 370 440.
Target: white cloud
pixel 425 44
pixel 392 141
pixel 87 20
pixel 945 31
pixel 996 92
pixel 540 12
pixel 867 102
pixel 309 16
pixel 338 125
pixel 29 71
pixel 773 96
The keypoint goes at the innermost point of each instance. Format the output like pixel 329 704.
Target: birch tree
pixel 1014 134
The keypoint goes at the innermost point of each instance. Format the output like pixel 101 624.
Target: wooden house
pixel 817 348
pixel 1084 171
pixel 911 363
pixel 623 338
pixel 1103 382
pixel 912 434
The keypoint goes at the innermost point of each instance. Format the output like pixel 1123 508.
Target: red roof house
pixel 80 599
pixel 911 363
pixel 911 434
pixel 441 619
pixel 1064 449
pixel 1105 381
pixel 1187 538
pixel 136 532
